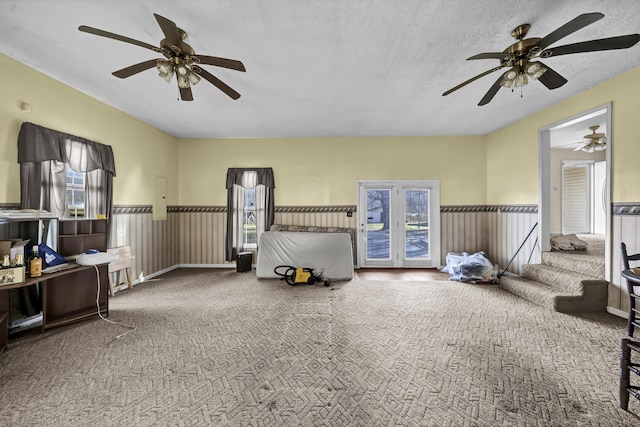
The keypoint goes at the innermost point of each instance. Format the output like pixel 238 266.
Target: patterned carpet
pixel 216 347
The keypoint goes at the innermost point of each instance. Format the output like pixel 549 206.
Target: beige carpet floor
pixel 216 348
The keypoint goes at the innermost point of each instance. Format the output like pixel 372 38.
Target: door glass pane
pixel 378 236
pixel 416 224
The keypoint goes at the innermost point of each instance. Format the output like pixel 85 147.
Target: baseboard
pixel 617 312
pixel 152 275
pixel 207 266
pixel 173 267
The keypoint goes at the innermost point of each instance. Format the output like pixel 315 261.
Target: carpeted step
pixel 582 262
pixel 561 279
pixel 536 292
pixel 592 298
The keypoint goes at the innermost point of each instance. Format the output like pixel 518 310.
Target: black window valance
pixel 264 176
pixel 38 144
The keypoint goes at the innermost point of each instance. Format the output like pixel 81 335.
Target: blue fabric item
pixel 49 256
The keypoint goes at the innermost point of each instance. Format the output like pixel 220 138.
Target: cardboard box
pixel 9 276
pixel 12 248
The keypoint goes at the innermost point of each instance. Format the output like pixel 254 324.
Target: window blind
pixel 575 199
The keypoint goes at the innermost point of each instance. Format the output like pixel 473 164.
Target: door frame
pixel 433 261
pixel 544 180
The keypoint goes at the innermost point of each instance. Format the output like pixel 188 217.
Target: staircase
pixel 565 281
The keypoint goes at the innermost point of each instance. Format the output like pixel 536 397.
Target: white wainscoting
pixel 195 235
pixel 153 243
pixel 626 228
pixel 496 231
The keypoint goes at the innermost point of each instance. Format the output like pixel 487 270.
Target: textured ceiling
pixel 317 67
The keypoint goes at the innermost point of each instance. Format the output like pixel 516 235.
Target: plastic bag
pixel 470 268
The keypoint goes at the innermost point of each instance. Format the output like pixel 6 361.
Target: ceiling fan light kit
pixel 594 141
pixel 180 59
pixel 520 54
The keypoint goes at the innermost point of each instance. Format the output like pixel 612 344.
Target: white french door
pixel 399 223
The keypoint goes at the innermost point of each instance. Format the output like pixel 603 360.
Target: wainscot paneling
pixel 508 228
pixel 462 229
pixel 626 228
pixel 194 235
pixel 202 235
pixel 498 231
pixel 153 243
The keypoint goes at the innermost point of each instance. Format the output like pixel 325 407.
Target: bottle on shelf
pixel 35 263
pixel 5 262
pixel 19 260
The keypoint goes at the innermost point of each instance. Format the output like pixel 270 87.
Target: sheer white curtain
pixel 261 210
pixel 238 217
pixel 43 153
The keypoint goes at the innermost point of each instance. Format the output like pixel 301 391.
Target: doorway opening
pixel 399 223
pixel 575 183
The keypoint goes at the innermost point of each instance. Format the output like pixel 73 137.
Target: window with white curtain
pixel 250 208
pixel 60 172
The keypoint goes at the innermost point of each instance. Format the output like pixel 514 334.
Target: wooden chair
pixel 628 348
pixel 633 311
pixel 123 263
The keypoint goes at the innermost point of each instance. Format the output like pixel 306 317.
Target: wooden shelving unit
pixel 76 236
pixel 69 295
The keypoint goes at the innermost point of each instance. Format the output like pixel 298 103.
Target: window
pixel 75 192
pixel 250 208
pixel 249 238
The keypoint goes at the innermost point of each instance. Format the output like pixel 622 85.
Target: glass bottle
pixel 5 262
pixel 35 263
pixel 19 260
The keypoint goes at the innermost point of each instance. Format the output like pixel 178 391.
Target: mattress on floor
pixel 329 253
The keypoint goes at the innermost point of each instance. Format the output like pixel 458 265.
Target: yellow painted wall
pixel 325 171
pixel 512 152
pixel 141 151
pixel 310 171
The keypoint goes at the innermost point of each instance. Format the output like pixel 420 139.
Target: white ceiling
pixel 317 67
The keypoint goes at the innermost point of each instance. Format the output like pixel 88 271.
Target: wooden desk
pixel 67 296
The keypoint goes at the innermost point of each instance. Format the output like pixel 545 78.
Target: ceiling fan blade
pixel 551 79
pixel 118 37
pixel 135 69
pixel 471 80
pixel 491 92
pixel 221 62
pixel 217 82
pixel 611 43
pixel 170 30
pixel 493 55
pixel 186 94
pixel 569 28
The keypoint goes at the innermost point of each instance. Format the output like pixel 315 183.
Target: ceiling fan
pixel 594 141
pixel 519 56
pixel 181 59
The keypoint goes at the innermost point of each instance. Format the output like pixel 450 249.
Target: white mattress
pixel 330 252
